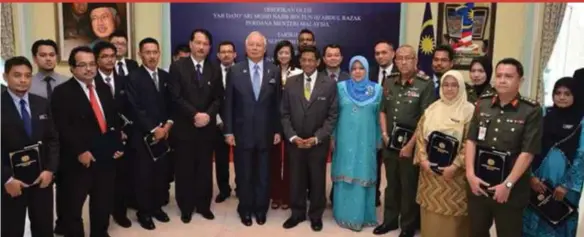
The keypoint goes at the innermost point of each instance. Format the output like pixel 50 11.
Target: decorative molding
pixel 166 46
pixel 402 23
pixel 7 34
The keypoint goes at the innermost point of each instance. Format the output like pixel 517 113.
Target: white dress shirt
pixel 312 82
pixel 202 63
pixel 387 72
pixel 86 91
pixel 224 73
pixel 124 66
pixel 111 82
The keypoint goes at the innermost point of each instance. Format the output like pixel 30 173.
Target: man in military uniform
pixel 443 61
pixel 406 96
pixel 506 122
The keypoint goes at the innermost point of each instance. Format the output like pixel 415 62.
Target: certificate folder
pixel 441 150
pixel 26 163
pixel 400 135
pixel 551 210
pixel 157 149
pixel 492 165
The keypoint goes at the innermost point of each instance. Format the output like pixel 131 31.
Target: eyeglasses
pixel 86 65
pixel 404 59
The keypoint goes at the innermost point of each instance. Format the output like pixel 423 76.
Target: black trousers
pixel 123 187
pixel 308 165
pixel 193 175
pixel 38 201
pixel 61 195
pixel 97 181
pixel 150 179
pixel 252 167
pixel 222 163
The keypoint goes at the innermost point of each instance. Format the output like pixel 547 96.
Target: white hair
pixel 259 33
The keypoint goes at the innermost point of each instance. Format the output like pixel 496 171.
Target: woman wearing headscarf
pixel 481 70
pixel 357 137
pixel 442 198
pixel 561 165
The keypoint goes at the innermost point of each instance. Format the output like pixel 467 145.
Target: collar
pixel 409 82
pixel 123 61
pixel 336 71
pixel 387 69
pixel 202 62
pixel 42 75
pixel 223 67
pixel 17 99
pixel 150 72
pixel 513 104
pixel 260 64
pixel 83 85
pixel 104 76
pixel 312 77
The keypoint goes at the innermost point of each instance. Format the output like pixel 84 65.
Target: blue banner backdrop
pixel 354 26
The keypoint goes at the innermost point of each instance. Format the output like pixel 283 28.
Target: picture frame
pixel 75 26
pixel 483 31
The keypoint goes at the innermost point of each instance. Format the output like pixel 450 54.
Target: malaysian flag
pixel 467 14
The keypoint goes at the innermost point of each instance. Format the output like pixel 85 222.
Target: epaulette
pixel 529 101
pixel 487 95
pixel 422 76
pixel 394 74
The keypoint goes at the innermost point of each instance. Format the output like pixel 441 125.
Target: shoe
pixel 385 228
pixel 59 229
pixel 246 220
pixel 261 219
pixel 221 197
pixel 292 222
pixel 316 224
pixel 122 221
pixel 275 204
pixel 207 214
pixel 186 218
pixel 161 216
pixel 145 221
pixel 285 206
pixel 407 233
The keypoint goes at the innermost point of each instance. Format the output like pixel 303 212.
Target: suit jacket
pixel 76 123
pixel 149 107
pixel 342 75
pixel 131 64
pixel 253 123
pixel 14 137
pixel 316 117
pixel 120 93
pixel 191 96
pixel 374 72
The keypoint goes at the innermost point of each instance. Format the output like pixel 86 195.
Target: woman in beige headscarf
pixel 442 198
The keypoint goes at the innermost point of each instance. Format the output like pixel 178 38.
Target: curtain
pixel 7 33
pixel 552 21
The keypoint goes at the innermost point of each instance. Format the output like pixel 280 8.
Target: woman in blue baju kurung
pixel 356 138
pixel 562 162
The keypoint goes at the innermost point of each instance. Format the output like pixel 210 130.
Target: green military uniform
pixel 515 127
pixel 403 104
pixel 471 94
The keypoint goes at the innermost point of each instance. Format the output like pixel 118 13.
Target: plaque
pixel 157 149
pixel 105 146
pixel 441 150
pixel 400 135
pixel 26 163
pixel 492 165
pixel 551 210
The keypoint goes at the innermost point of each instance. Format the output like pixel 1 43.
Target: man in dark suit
pixel 124 66
pixel 332 59
pixel 90 138
pixel 252 126
pixel 105 53
pixel 150 100
pixel 309 114
pixel 197 91
pixel 26 121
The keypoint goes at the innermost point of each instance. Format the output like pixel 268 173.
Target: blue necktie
pixel 255 80
pixel 199 74
pixel 26 118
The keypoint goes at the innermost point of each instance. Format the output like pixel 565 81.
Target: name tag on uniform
pixel 482 133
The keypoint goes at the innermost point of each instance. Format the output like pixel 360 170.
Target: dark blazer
pixel 15 138
pixel 316 117
pixel 342 75
pixel 131 64
pixel 191 96
pixel 149 106
pixel 253 123
pixel 75 120
pixel 374 72
pixel 120 93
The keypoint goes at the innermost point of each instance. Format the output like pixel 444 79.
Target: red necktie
pixel 96 109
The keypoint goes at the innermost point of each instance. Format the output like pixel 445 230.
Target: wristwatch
pixel 509 185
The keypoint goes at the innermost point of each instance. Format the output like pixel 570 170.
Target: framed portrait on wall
pixel 469 28
pixel 83 23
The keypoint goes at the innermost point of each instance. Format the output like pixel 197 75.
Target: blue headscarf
pixel 360 90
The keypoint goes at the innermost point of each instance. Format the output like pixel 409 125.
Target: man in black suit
pixel 105 53
pixel 26 121
pixel 252 126
pixel 196 90
pixel 90 138
pixel 309 114
pixel 124 66
pixel 148 95
pixel 332 59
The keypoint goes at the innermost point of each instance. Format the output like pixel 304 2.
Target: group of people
pixel 282 121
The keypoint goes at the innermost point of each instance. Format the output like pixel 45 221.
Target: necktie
pixel 96 109
pixel 121 71
pixel 334 76
pixel 49 88
pixel 307 90
pixel 26 118
pixel 383 76
pixel 256 81
pixel 108 81
pixel 225 78
pixel 199 74
pixel 155 79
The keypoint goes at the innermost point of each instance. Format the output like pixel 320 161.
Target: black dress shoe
pixel 384 228
pixel 161 216
pixel 292 222
pixel 316 224
pixel 59 230
pixel 122 221
pixel 246 220
pixel 145 221
pixel 407 233
pixel 186 218
pixel 207 215
pixel 261 219
pixel 221 197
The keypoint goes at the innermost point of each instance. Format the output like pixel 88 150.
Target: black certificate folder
pixel 105 146
pixel 441 149
pixel 400 135
pixel 491 165
pixel 554 212
pixel 157 149
pixel 26 163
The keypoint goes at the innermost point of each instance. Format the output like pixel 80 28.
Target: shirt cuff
pixel 315 140
pixel 219 121
pixel 230 134
pixel 292 138
pixel 9 180
pixel 170 121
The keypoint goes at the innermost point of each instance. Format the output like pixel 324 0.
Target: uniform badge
pixel 568 126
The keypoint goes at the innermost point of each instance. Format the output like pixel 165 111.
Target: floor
pixel 227 224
